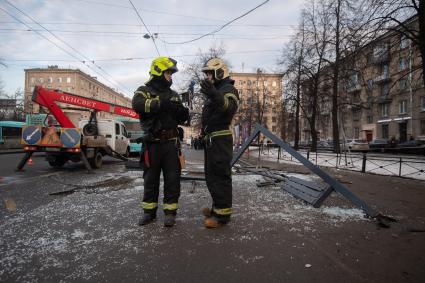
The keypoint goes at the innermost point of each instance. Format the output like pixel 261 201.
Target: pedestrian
pixel 161 111
pixel 217 114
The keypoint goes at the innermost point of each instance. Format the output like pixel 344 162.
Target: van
pixel 114 132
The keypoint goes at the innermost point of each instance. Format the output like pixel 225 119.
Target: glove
pixel 208 88
pixel 165 104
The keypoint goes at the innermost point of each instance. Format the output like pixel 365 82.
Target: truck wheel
pixel 57 162
pixel 96 161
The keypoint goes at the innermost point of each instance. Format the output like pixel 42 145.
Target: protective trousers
pixel 163 156
pixel 218 155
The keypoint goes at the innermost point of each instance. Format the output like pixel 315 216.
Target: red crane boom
pixel 49 97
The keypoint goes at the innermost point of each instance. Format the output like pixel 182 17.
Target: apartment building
pixel 260 101
pixel 381 93
pixel 73 81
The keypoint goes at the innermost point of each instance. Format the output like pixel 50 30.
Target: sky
pixel 104 38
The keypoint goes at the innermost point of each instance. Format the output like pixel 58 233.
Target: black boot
pixel 147 219
pixel 169 220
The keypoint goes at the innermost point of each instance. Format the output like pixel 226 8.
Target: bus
pixel 10 134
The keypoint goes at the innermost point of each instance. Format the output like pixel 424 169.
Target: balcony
pixel 353 88
pixel 379 59
pixel 383 99
pixel 382 78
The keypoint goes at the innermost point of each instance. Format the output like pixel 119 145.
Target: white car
pixel 357 144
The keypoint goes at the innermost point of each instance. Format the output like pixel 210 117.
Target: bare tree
pixel 293 58
pixel 193 72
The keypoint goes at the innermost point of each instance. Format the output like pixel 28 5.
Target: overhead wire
pixel 138 58
pixel 68 45
pixel 147 29
pixel 221 27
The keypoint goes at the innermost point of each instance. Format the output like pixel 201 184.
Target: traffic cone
pixel 30 161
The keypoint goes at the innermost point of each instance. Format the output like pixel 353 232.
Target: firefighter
pixel 161 111
pixel 217 114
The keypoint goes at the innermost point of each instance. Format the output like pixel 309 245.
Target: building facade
pixel 260 102
pixel 382 94
pixel 73 81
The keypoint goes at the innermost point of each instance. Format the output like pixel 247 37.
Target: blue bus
pixel 10 133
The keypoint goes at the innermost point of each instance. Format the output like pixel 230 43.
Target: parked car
pixel 324 145
pixel 357 144
pixel 379 143
pixel 412 143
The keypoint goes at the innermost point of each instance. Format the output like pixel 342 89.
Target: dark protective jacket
pixel 159 107
pixel 218 110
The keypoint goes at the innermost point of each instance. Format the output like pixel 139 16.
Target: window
pixel 32 89
pixel 32 80
pixel 265 83
pixel 274 119
pixel 59 80
pixel 380 50
pixel 385 89
pixel 402 84
pixel 124 131
pixel 356 115
pixel 404 42
pixel 422 127
pixel 356 133
pixel 50 80
pixel 385 70
pixel 402 64
pixel 422 103
pixel 385 131
pixel 384 110
pixel 403 107
pixel 274 83
pixel 117 128
pixel 68 79
pixel 274 129
pixel 41 80
pixel 370 84
pixel 369 119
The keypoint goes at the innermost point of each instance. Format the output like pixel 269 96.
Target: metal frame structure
pixel 332 182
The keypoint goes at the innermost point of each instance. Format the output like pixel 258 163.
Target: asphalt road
pixel 91 235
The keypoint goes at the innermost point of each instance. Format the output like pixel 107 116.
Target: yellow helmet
pixel 161 64
pixel 218 67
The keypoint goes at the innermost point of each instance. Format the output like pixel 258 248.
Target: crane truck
pixel 88 142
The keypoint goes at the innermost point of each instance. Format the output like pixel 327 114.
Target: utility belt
pixel 164 135
pixel 209 136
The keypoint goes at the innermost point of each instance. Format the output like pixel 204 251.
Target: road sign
pixel 31 135
pixel 50 137
pixel 70 137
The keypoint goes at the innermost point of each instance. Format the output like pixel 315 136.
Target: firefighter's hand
pixel 208 88
pixel 169 105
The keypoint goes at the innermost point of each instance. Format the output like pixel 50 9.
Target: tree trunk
pixel 421 18
pixel 297 109
pixel 335 128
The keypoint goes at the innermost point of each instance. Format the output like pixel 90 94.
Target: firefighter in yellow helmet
pixel 217 114
pixel 161 111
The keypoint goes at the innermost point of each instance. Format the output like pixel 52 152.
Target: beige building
pixel 260 102
pixel 73 81
pixel 382 96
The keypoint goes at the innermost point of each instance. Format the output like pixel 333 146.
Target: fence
pixel 393 165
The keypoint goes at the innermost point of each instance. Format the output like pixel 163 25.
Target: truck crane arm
pixel 49 98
